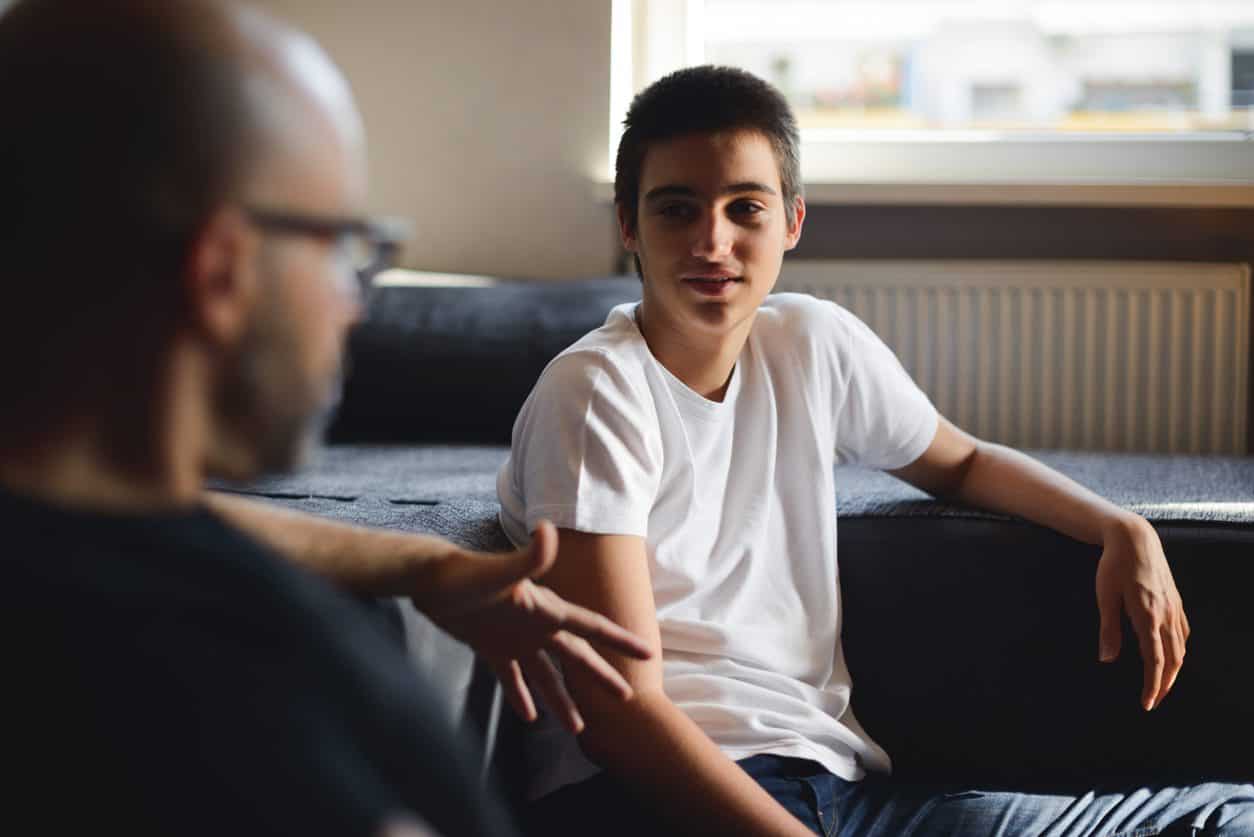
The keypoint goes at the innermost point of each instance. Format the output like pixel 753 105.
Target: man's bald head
pixel 127 122
pixel 169 105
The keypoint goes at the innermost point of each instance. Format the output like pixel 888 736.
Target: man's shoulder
pixel 163 655
pixel 115 569
pixel 167 596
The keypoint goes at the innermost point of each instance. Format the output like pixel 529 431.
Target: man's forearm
pixel 665 759
pixel 357 558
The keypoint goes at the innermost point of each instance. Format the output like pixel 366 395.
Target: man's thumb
pixel 486 574
pixel 543 549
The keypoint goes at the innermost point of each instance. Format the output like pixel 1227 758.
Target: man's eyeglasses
pixel 367 246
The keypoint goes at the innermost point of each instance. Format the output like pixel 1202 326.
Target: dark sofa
pixel 972 638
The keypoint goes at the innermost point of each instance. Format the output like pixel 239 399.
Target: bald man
pixel 182 182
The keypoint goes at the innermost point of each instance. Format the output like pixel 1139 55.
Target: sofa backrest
pixel 454 364
pixel 972 640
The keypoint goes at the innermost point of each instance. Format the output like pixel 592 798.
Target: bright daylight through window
pixel 1010 65
pixel 1081 91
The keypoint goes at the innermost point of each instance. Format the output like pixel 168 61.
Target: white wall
pixel 488 123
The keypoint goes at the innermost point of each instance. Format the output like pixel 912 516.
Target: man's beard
pixel 265 404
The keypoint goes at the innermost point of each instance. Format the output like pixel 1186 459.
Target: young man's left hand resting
pixel 1133 576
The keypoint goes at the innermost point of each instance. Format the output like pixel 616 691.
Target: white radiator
pixel 1133 356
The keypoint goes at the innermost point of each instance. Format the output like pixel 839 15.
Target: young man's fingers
pixel 577 651
pixel 1152 655
pixel 1110 635
pixel 1173 648
pixel 516 691
pixel 545 677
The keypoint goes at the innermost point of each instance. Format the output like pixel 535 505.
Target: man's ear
pixel 794 229
pixel 626 227
pixel 221 278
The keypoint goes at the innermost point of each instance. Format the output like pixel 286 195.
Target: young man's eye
pixel 746 209
pixel 676 211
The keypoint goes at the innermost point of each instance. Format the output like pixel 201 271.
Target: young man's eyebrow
pixel 748 186
pixel 671 190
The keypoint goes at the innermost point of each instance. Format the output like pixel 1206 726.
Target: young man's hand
pixel 490 602
pixel 1133 577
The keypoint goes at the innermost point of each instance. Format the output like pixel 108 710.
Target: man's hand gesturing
pixel 490 602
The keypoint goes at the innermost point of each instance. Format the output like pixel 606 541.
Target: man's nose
pixel 713 237
pixel 349 306
pixel 356 314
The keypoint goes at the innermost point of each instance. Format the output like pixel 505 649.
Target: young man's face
pixel 711 230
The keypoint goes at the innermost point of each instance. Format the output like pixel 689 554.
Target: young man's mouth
pixel 711 285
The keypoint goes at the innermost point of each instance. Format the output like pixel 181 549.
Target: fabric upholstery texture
pixel 971 638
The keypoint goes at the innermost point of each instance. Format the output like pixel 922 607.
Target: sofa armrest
pixel 973 649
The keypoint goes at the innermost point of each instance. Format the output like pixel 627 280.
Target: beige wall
pixel 488 123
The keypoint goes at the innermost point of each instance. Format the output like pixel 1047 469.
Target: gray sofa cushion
pixel 403 485
pixel 972 638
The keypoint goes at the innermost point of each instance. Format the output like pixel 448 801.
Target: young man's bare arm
pixel 486 600
pixel 1132 576
pixel 649 745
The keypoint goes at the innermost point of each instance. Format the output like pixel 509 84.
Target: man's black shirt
pixel 168 675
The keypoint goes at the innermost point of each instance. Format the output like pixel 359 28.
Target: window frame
pixel 653 37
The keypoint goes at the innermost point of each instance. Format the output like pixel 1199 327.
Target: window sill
pixel 1193 195
pixel 1014 193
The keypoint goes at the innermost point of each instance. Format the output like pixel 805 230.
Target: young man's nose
pixel 713 237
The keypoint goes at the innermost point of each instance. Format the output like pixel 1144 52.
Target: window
pixel 1078 92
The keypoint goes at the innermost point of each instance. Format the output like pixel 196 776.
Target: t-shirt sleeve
pixel 883 419
pixel 585 452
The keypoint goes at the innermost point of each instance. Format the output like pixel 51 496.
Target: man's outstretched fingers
pixel 516 692
pixel 545 677
pixel 577 651
pixel 592 625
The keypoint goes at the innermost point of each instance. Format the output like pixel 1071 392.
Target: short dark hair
pixel 126 123
pixel 706 100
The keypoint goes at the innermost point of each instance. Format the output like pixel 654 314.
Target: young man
pixel 182 186
pixel 685 450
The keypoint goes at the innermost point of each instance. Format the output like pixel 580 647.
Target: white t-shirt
pixel 736 503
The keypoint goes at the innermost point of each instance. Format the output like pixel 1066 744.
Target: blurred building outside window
pixel 1051 91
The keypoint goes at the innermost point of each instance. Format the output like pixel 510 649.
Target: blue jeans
pixel 879 806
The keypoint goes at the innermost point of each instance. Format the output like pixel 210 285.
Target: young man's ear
pixel 220 280
pixel 626 227
pixel 794 229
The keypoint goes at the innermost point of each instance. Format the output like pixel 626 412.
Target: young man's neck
pixel 703 363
